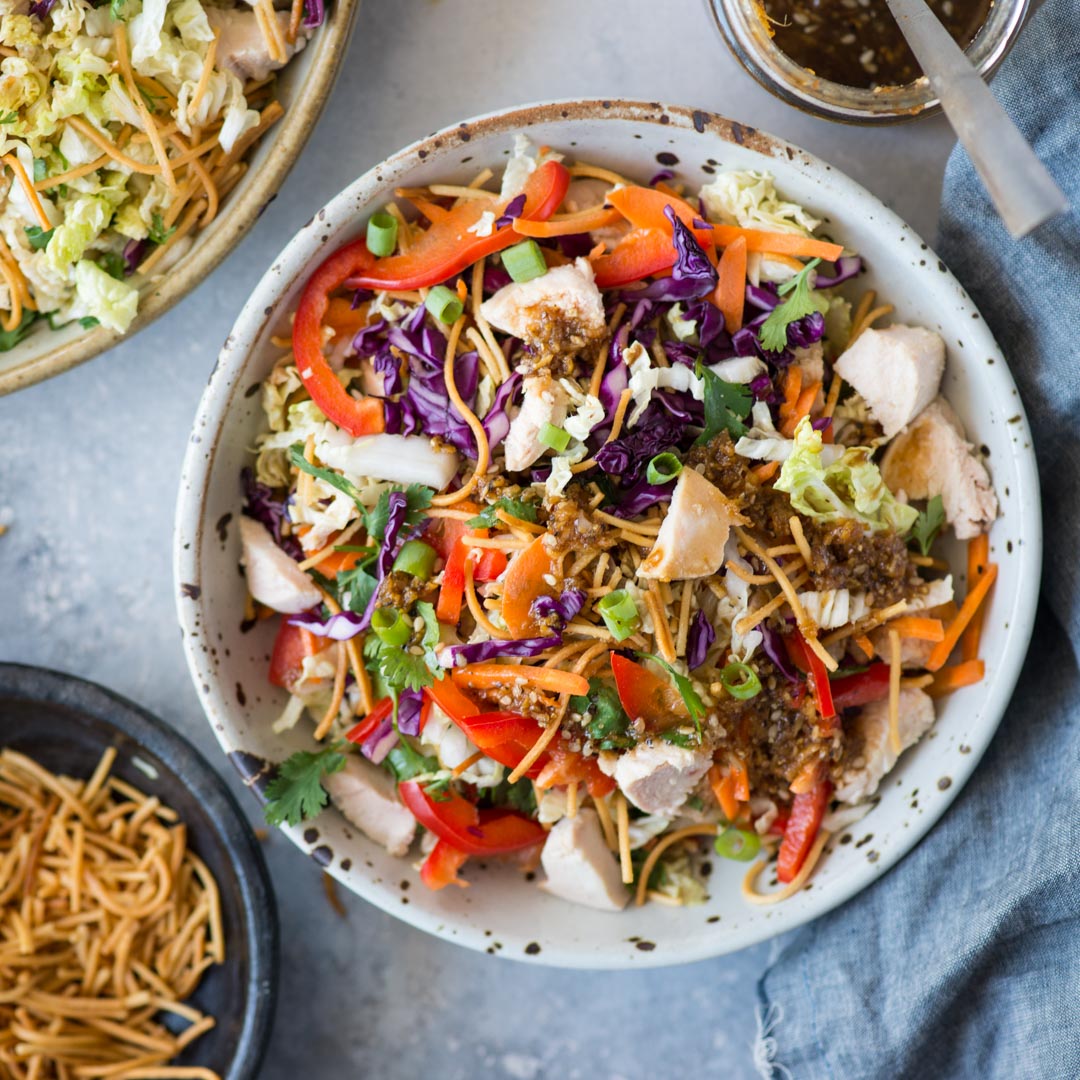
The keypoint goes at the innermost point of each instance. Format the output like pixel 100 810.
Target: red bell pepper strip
pixel 357 416
pixel 563 766
pixel 447 247
pixel 360 732
pixel 805 659
pixel 449 542
pixel 291 646
pixel 646 696
pixel 442 865
pixel 504 737
pixel 476 832
pixel 639 254
pixel 802 827
pixel 861 688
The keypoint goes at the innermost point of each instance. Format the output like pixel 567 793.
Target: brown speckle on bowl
pixel 944 783
pixel 646 946
pixel 189 591
pixel 310 836
pixel 323 855
pixel 533 948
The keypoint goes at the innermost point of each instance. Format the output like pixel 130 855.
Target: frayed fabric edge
pixel 764 1047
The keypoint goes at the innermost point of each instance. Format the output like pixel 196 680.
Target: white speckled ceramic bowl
pixel 304 88
pixel 501 912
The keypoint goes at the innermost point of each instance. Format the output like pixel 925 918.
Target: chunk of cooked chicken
pixel 870 733
pixel 560 312
pixel 896 370
pixel 366 796
pixel 579 866
pixel 691 540
pixel 657 776
pixel 242 47
pixel 544 402
pixel 934 458
pixel 273 578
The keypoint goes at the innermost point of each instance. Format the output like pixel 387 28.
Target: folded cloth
pixel 964 961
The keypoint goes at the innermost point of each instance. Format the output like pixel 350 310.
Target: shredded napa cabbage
pixel 749 199
pixel 851 487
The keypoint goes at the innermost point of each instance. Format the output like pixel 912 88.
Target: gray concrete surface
pixel 88 470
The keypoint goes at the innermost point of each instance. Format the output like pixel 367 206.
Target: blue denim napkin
pixel 964 961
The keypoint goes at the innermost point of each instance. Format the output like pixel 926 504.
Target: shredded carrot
pixel 564 224
pixel 778 243
pixel 15 165
pixel 479 676
pixel 866 645
pixel 730 294
pixel 792 390
pixel 722 783
pixel 954 677
pixel 803 405
pixel 978 558
pixel 976 595
pixel 741 778
pixel 765 471
pixel 784 260
pixel 921 629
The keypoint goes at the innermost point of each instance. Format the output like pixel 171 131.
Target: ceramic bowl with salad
pixel 623 536
pixel 138 141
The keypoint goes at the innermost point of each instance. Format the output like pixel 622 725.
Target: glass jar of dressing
pixel 847 60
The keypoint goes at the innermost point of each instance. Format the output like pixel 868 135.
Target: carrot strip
pixel 723 785
pixel 953 678
pixel 741 778
pixel 802 408
pixel 792 390
pixel 974 598
pixel 479 676
pixel 866 645
pixel 784 260
pixel 765 471
pixel 564 225
pixel 778 243
pixel 921 629
pixel 730 294
pixel 978 559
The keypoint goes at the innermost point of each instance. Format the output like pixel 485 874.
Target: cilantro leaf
pixel 694 705
pixel 88 322
pixel 726 405
pixel 296 793
pixel 38 237
pixel 297 459
pixel 401 670
pixel 927 525
pixel 9 117
pixel 520 796
pixel 773 332
pixel 116 9
pixel 10 338
pixel 158 233
pixel 516 508
pixel 354 588
pixel 406 763
pixel 607 724
pixel 678 738
pixel 417 499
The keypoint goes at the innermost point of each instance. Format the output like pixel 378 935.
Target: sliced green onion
pixel 740 681
pixel 416 558
pixel 444 304
pixel 524 261
pixel 620 613
pixel 555 437
pixel 382 234
pixel 663 468
pixel 738 844
pixel 391 627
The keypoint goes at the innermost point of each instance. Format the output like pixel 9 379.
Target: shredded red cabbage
pixel 805 331
pixel 764 297
pixel 821 423
pixel 663 174
pixel 487 650
pixel 640 497
pixel 566 605
pixel 134 250
pixel 42 8
pixel 844 269
pixel 497 421
pixel 314 13
pixel 380 742
pixel 388 366
pixel 264 506
pixel 701 635
pixel 408 716
pixel 575 245
pixel 692 276
pixel 627 456
pixel 513 210
pixel 773 645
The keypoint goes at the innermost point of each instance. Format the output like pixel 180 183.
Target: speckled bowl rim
pixel 240 210
pixel 228 384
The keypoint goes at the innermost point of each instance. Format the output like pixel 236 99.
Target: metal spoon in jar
pixel 1023 192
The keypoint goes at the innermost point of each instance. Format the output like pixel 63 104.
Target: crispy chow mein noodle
pixel 626 542
pixel 108 922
